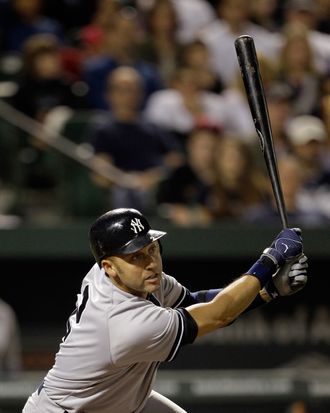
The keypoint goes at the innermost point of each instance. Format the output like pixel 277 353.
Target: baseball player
pixel 130 316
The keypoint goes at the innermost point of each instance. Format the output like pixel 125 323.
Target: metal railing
pixel 83 154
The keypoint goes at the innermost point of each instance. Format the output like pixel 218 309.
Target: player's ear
pixel 109 267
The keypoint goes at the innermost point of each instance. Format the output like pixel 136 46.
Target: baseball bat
pixel 250 72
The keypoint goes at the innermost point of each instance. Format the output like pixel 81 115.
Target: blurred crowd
pixel 153 88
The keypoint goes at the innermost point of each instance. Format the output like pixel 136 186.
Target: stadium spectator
pixel 121 41
pixel 305 12
pixel 220 35
pixel 184 196
pixel 160 45
pixel 185 105
pixel 297 69
pixel 279 100
pixel 25 18
pixel 43 84
pixel 132 144
pixel 323 16
pixel 88 40
pixel 238 183
pixel 301 206
pixel 192 16
pixel 47 95
pixel 263 13
pixel 324 104
pixel 325 112
pixel 308 137
pixel 196 55
pixel 10 341
pixel 239 122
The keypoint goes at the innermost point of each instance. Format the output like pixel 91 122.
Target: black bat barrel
pixel 249 67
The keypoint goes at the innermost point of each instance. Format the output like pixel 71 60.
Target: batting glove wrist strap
pixel 274 255
pixel 263 269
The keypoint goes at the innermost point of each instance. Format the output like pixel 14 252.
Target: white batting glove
pixel 289 279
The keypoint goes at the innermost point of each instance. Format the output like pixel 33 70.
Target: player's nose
pixel 151 261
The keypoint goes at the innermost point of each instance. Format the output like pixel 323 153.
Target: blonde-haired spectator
pixel 298 70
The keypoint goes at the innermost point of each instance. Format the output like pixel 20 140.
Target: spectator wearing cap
pixel 308 137
pixel 305 12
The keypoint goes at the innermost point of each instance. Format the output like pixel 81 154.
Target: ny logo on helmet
pixel 136 225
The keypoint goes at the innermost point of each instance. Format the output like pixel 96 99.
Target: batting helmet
pixel 120 231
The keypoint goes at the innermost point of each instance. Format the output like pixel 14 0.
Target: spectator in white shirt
pixel 220 36
pixel 305 12
pixel 184 105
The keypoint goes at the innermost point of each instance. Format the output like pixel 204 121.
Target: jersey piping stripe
pixel 178 339
pixel 181 298
pixel 83 304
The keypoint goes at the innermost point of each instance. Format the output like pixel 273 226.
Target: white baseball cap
pixel 306 128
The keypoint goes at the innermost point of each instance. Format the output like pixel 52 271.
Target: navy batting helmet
pixel 120 231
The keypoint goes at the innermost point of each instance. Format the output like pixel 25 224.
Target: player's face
pixel 138 273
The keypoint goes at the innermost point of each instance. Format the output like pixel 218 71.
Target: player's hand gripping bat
pixel 249 66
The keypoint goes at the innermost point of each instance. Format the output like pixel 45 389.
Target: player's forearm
pixel 238 296
pixel 205 296
pixel 226 306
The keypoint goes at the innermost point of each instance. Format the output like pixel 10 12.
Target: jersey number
pixel 77 311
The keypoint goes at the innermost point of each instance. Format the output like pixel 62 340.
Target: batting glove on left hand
pixel 289 279
pixel 286 246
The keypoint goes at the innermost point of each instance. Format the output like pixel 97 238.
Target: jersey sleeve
pixel 148 333
pixel 174 292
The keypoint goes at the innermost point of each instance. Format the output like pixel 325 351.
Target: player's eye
pixel 153 249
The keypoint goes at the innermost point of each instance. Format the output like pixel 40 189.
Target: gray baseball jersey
pixel 115 341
